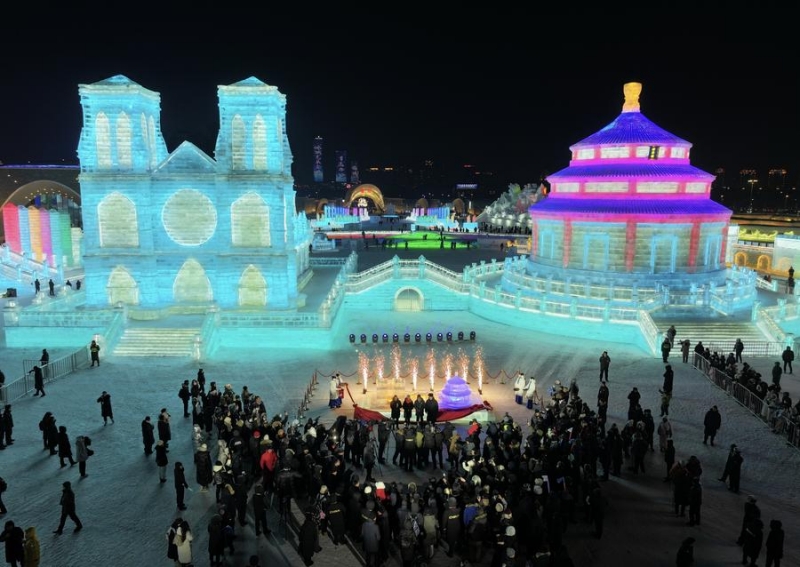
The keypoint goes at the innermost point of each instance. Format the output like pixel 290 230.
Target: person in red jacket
pixel 269 460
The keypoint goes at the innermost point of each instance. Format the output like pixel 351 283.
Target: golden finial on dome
pixel 632 92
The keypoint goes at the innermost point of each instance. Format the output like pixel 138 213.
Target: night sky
pixel 509 98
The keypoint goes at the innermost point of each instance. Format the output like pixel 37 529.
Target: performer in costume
pixel 519 387
pixel 530 391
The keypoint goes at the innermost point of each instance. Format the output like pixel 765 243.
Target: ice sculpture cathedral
pixel 183 229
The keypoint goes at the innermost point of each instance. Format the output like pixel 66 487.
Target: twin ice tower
pixel 182 228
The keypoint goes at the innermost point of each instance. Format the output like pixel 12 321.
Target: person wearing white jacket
pixel 530 392
pixel 519 387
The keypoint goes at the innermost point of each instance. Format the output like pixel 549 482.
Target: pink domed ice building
pixel 631 213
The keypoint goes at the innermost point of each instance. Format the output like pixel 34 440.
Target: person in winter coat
pixel 38 380
pixel 605 362
pixel 669 377
pixel 666 346
pixel 712 424
pixel 371 540
pixel 776 374
pixel 408 408
pixel 13 537
pixel 774 546
pixel 396 405
pixel 451 525
pixel 216 540
pixel 431 409
pixel 309 538
pixel 787 357
pixel 105 407
pixel 161 461
pixel 753 539
pixel 203 470
pixel 33 552
pixel 419 409
pixel 664 433
pixel 685 345
pixel 64 447
pixel 183 539
pixel 164 428
pixel 695 502
pixel 735 470
pixel 148 436
pixel 260 510
pixel 82 453
pixel 180 484
pixel 68 509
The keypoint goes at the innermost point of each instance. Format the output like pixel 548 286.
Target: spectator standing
pixel 695 502
pixel 738 348
pixel 82 453
pixel 735 471
pixel 788 357
pixel 605 362
pixel 68 509
pixel 105 407
pixel 52 285
pixel 671 332
pixel 712 423
pixel 185 395
pixel 6 426
pixel 751 512
pixel 94 351
pixel 774 546
pixel 148 437
pixel 699 353
pixel 685 345
pixel 183 539
pixel 180 484
pixel 666 346
pixel 753 539
pixel 669 458
pixel 161 461
pixel 776 374
pixel 44 360
pixel 669 377
pixel 164 429
pixel 13 537
pixel 33 552
pixel 728 461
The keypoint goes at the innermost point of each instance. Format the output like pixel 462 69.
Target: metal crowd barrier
pixel 57 368
pixel 774 417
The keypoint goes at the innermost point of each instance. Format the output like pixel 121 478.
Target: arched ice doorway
pixel 409 299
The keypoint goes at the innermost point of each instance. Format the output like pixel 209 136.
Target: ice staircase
pixel 156 341
pixel 716 334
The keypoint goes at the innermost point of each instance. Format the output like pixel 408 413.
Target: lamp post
pixel 752 182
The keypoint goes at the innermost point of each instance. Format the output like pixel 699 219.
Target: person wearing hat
pixel 68 509
pixel 685 556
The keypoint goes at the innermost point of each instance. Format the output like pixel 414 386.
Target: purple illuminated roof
pixel 630 206
pixel 631 128
pixel 647 168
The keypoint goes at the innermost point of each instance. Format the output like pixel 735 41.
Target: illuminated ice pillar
pixel 24 231
pixel 35 231
pixel 65 236
pixel 56 247
pixel 11 227
pixel 45 236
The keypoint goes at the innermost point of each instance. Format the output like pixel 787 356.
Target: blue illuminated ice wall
pixel 183 228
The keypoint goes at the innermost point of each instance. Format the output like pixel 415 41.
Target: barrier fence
pixel 778 418
pixel 55 369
